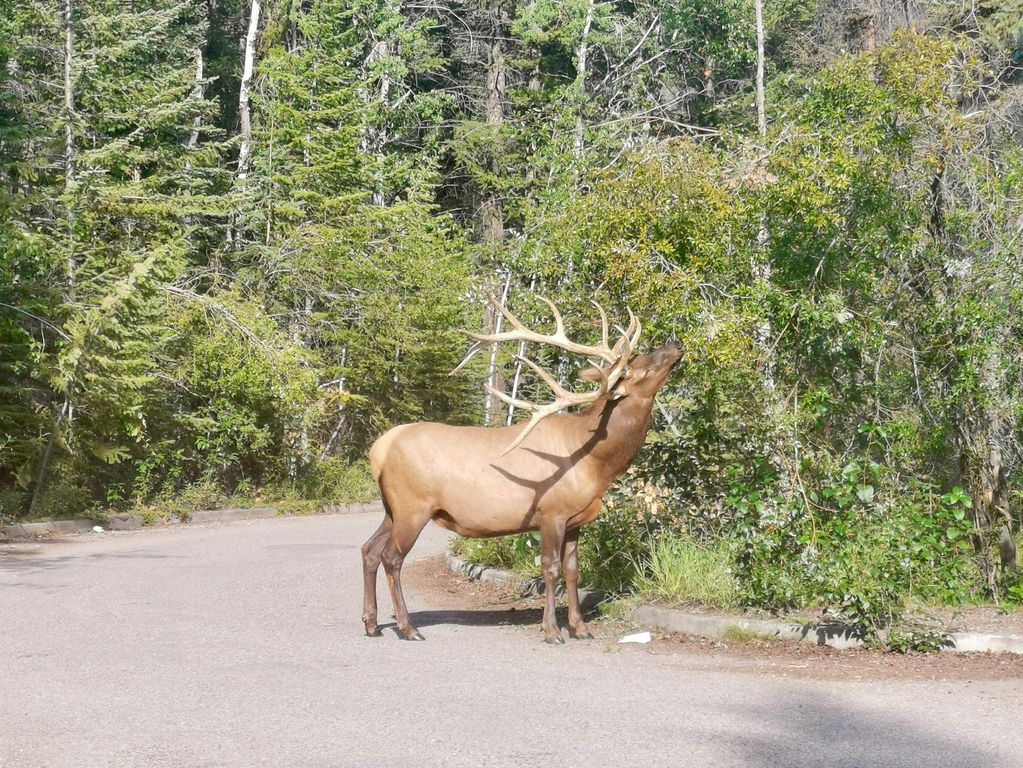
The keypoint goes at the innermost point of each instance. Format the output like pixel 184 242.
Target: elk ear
pixel 594 375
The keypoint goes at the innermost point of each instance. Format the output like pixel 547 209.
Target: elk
pixel 548 473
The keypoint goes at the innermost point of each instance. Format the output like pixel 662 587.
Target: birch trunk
pixel 518 364
pixel 378 103
pixel 378 134
pixel 69 139
pixel 580 81
pixel 493 215
pixel 197 94
pixel 492 377
pixel 69 95
pixel 709 87
pixel 761 265
pixel 761 110
pixel 44 463
pixel 245 152
pixel 71 263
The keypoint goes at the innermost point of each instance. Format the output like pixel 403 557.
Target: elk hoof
pixel 556 640
pixel 587 635
pixel 414 636
pixel 373 632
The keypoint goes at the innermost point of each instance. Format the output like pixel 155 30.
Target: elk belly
pixel 477 510
pixel 470 531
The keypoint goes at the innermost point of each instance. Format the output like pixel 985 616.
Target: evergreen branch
pixel 223 311
pixel 37 318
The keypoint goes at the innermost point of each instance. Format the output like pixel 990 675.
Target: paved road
pixel 241 645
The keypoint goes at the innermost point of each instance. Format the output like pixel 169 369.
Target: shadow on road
pixel 489 617
pixel 791 732
pixel 26 562
pixel 483 618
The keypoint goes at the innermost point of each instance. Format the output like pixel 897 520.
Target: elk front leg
pixel 570 567
pixel 552 537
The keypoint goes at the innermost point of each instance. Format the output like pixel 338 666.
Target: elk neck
pixel 614 430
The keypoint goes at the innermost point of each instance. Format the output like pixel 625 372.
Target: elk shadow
pixel 492 617
pixel 562 464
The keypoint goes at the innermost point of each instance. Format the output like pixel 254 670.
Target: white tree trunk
pixel 761 110
pixel 69 144
pixel 69 95
pixel 493 215
pixel 197 93
pixel 580 82
pixel 381 51
pixel 518 364
pixel 488 402
pixel 245 152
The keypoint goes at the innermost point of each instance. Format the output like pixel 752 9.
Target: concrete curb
pixel 716 626
pixel 22 531
pixel 532 587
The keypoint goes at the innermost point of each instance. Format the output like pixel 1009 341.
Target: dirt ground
pixel 496 605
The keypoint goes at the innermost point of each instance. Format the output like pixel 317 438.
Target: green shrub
pixel 611 546
pixel 681 571
pixel 338 481
pixel 865 547
pixel 12 502
pixel 202 495
pixel 515 553
pixel 63 498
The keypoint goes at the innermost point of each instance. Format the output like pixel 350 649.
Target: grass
pixel 740 636
pixel 683 572
pixel 679 571
pixel 509 552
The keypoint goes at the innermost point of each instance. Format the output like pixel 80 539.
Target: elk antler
pixel 615 361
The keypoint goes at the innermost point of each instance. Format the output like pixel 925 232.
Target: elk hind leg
pixel 403 536
pixel 371 555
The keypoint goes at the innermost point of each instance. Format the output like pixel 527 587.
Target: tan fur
pixel 553 482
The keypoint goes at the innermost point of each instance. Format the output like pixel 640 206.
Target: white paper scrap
pixel 639 637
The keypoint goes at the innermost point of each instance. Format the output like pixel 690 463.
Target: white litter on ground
pixel 97 528
pixel 639 637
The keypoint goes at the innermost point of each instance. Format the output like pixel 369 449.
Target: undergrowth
pixel 682 572
pixel 331 480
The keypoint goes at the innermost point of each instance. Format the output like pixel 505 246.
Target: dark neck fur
pixel 615 430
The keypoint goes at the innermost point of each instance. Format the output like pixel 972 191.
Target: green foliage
pixel 856 552
pixel 611 548
pixel 846 288
pixel 337 481
pixel 681 572
pixel 515 553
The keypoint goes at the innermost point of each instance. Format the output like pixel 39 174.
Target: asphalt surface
pixel 241 645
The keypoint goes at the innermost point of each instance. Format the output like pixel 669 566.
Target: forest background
pixel 237 240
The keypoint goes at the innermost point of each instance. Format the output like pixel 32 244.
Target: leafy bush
pixel 611 547
pixel 858 553
pixel 337 480
pixel 515 553
pixel 11 503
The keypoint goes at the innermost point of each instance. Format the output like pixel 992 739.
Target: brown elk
pixel 547 474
